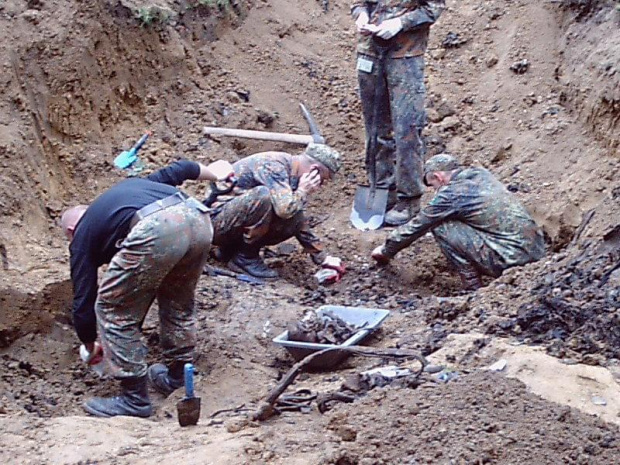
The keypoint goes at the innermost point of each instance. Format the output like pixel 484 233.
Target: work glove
pixel 361 22
pixel 381 256
pixel 222 169
pixel 332 269
pixel 94 358
pixel 389 28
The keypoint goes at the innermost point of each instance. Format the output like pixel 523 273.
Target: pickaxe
pixel 315 135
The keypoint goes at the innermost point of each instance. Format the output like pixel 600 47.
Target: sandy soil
pixel 82 80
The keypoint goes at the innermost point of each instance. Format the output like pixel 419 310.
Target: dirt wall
pixel 590 68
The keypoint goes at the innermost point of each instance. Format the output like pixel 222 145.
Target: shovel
pixel 370 203
pixel 188 408
pixel 129 157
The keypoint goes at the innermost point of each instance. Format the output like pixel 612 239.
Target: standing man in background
pixel 401 28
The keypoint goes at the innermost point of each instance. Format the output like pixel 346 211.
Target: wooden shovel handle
pixel 262 135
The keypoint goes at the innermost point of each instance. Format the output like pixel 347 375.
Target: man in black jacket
pixel 156 241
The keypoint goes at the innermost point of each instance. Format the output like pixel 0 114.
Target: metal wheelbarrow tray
pixel 367 319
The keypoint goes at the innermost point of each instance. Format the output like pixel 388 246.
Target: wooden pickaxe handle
pixel 262 135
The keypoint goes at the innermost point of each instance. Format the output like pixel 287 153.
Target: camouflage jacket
pixel 475 197
pixel 417 17
pixel 274 171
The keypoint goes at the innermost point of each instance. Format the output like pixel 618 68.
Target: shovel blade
pixel 188 411
pixel 125 159
pixel 369 208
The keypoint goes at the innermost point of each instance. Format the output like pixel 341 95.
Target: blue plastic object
pixel 189 380
pixel 129 157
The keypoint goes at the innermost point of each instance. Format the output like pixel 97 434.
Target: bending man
pixel 480 227
pixel 268 206
pixel 156 240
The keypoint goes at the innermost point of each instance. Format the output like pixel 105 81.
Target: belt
pixel 164 203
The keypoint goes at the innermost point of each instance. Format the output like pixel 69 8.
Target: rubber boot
pixel 249 261
pixel 133 402
pixel 470 278
pixel 166 380
pixel 403 211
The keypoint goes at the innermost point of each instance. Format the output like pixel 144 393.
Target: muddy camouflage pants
pixel 250 220
pixel 400 120
pixel 464 247
pixel 162 257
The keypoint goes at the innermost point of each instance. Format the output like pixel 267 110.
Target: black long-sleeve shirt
pixel 106 223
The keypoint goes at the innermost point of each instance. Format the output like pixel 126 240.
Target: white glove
pixel 361 21
pixel 93 359
pixel 334 263
pixel 221 169
pixel 389 28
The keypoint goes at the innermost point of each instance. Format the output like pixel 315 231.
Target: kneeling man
pixel 479 225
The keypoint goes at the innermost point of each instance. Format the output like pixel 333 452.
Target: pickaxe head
pixel 314 128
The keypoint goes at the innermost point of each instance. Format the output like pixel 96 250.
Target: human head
pixel 324 158
pixel 70 218
pixel 438 170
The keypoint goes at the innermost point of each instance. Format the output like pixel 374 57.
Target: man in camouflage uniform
pixel 403 27
pixel 268 206
pixel 155 240
pixel 481 227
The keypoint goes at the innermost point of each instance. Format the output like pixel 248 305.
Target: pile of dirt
pixel 479 418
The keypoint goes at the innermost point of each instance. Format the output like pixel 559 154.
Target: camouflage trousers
pixel 399 123
pixel 465 248
pixel 250 220
pixel 162 257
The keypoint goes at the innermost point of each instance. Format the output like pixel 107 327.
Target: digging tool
pixel 370 203
pixel 301 139
pixel 214 190
pixel 314 128
pixel 188 408
pixel 129 157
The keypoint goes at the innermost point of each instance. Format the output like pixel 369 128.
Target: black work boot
pixel 250 262
pixel 133 402
pixel 403 211
pixel 166 380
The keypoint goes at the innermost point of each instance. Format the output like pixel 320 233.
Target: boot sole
pixel 101 414
pixel 95 412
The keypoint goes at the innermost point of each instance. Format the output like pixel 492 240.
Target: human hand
pixel 221 169
pixel 389 28
pixel 334 263
pixel 369 29
pixel 309 182
pixel 91 353
pixel 380 256
pixel 361 22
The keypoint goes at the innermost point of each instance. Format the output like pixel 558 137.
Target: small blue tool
pixel 129 157
pixel 188 408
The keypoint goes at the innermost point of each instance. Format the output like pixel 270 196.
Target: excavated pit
pixel 83 80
